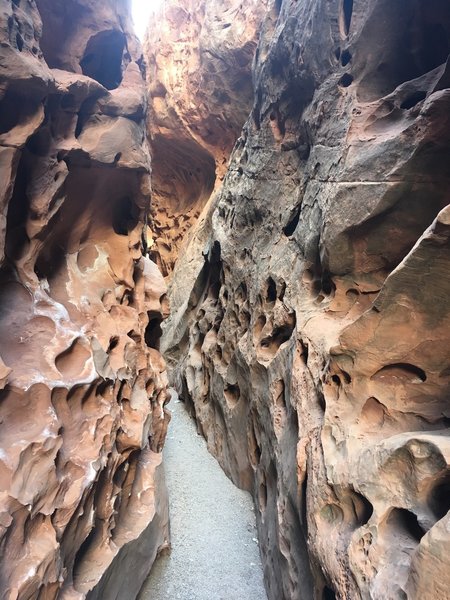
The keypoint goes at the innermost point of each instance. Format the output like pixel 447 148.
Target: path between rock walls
pixel 215 553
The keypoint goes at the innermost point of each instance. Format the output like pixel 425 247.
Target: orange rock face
pixel 199 57
pixel 82 418
pixel 310 312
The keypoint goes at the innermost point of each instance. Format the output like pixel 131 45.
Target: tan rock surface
pixel 199 58
pixel 82 414
pixel 310 311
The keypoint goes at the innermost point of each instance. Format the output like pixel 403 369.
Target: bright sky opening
pixel 142 11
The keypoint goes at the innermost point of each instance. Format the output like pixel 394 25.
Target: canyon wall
pixel 82 418
pixel 199 57
pixel 310 310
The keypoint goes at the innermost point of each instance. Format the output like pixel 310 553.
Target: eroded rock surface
pixel 82 415
pixel 199 58
pixel 310 325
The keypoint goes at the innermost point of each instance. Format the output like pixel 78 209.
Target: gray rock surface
pixel 309 332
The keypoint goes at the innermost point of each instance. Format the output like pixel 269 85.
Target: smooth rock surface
pixel 213 531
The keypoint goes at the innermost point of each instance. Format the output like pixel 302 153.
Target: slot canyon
pixel 248 210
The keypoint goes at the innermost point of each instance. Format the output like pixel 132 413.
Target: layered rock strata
pixel 82 415
pixel 310 324
pixel 199 58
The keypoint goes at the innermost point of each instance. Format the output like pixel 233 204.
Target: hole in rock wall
pixel 413 99
pixel 346 57
pixel 328 594
pixel 291 225
pixel 209 278
pixel 104 389
pixel 401 373
pixel 49 262
pixel 321 401
pixel 113 343
pixel 279 336
pixel 304 351
pixel 153 332
pixel 327 284
pixel 232 394
pixel 254 448
pixel 19 206
pixel 362 507
pixel 403 521
pixel 439 498
pixel 343 375
pixel 125 218
pixel 347 12
pixel 271 294
pixel 346 80
pixel 103 58
pixel 304 505
pixel 19 42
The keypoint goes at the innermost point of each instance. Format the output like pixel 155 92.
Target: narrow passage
pixel 215 554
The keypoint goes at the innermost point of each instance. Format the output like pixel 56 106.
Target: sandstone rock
pixel 200 93
pixel 82 414
pixel 309 328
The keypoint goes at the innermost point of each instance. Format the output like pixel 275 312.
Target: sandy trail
pixel 214 553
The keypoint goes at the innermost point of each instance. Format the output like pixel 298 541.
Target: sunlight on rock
pixel 142 13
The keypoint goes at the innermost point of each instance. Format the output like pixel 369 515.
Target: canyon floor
pixel 214 550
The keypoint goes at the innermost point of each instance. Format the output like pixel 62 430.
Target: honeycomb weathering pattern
pixel 310 324
pixel 82 415
pixel 199 57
